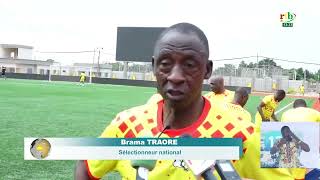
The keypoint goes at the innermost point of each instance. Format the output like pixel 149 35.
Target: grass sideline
pixel 31 108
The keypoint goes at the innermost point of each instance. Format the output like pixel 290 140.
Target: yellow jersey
pixel 82 77
pixel 270 106
pixel 274 86
pixel 238 111
pixel 226 96
pixel 214 122
pixel 301 114
pixel 301 88
pixel 155 98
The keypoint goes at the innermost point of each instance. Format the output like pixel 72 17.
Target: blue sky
pixel 234 28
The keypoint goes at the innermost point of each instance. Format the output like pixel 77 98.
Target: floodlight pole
pixel 92 67
pixel 99 50
pixel 90 71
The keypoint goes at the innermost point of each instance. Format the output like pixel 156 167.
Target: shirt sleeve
pixel 266 99
pixel 98 168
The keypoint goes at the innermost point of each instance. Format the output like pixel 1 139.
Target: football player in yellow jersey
pixel 180 65
pixel 268 106
pixel 240 99
pixel 302 89
pixel 274 86
pixel 219 93
pixel 82 78
pixel 300 113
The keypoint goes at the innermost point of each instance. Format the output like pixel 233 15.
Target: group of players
pixel 266 109
pixel 181 64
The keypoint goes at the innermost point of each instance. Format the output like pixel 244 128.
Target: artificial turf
pixel 30 108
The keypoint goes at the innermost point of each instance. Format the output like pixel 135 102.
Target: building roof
pixel 15 46
pixel 25 61
pixel 104 66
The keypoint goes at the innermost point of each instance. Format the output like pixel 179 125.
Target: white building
pixel 15 51
pixel 77 68
pixel 18 59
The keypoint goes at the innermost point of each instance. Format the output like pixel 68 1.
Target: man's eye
pixel 165 63
pixel 190 64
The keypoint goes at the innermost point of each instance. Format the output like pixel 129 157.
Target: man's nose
pixel 176 76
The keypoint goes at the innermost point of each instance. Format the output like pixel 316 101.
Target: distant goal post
pixel 64 70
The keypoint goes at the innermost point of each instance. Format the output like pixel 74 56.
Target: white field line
pixel 283 108
pixel 47 83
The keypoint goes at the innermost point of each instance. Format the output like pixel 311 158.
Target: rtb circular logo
pixel 40 148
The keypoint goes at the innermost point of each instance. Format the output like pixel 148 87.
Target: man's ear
pixel 153 64
pixel 208 70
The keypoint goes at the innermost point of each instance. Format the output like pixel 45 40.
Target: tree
pixel 251 65
pixel 317 75
pixel 230 69
pixel 243 65
pixel 267 63
pixel 269 68
pixel 300 74
pixel 227 70
pixel 219 71
pixel 309 75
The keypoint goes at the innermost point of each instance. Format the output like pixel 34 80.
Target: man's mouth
pixel 175 94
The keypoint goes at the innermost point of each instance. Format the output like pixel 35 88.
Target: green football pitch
pixel 30 108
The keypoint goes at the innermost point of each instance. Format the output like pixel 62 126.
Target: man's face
pixel 216 85
pixel 279 97
pixel 244 100
pixel 286 133
pixel 180 65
